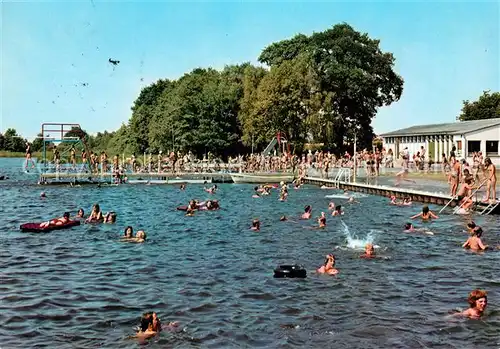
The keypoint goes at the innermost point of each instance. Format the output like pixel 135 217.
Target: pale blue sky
pixel 446 52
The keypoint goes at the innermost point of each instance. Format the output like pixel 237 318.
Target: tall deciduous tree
pixel 353 78
pixel 486 107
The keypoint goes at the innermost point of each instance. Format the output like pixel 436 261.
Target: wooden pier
pixel 67 177
pixel 437 198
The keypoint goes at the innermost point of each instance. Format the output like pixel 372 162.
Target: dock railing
pixel 463 201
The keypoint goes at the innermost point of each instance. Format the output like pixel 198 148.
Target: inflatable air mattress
pixel 35 227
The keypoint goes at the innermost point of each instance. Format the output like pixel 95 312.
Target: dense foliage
pixel 322 88
pixel 486 107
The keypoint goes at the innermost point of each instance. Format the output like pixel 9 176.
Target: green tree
pixel 37 144
pixel 486 107
pixel 142 114
pixel 353 78
pixel 13 142
pixel 281 103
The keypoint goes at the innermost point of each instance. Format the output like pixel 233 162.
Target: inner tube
pixel 290 271
pixel 182 208
pixel 35 227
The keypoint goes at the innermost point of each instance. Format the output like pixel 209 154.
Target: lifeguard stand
pixel 56 133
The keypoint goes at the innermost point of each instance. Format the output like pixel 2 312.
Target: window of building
pixel 491 147
pixel 473 147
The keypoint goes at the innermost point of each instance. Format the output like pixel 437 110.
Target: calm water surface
pixel 82 288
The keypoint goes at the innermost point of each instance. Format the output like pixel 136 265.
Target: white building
pixel 467 136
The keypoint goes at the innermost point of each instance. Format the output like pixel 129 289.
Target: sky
pixel 54 55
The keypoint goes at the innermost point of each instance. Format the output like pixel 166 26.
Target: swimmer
pixel 470 227
pixel 128 233
pixel 110 218
pixel 80 214
pixel 140 236
pixel 409 228
pixel 322 220
pixel 329 266
pixel 95 215
pixel 56 222
pixel 150 326
pixel 338 211
pixel 393 200
pixel 474 242
pixel 43 195
pixel 182 187
pixel 426 214
pixel 331 206
pixel 255 225
pixel 351 200
pixel 478 300
pixel 407 201
pixel 307 212
pixel 256 194
pixel 369 252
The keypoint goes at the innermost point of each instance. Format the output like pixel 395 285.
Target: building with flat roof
pixel 467 136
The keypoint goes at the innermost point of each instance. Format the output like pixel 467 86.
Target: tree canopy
pixel 486 107
pixel 322 88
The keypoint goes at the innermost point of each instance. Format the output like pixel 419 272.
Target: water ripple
pixel 83 288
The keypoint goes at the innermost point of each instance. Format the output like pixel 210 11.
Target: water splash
pixel 354 242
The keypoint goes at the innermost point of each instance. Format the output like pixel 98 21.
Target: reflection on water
pixel 82 288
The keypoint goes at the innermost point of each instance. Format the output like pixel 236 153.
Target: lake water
pixel 82 288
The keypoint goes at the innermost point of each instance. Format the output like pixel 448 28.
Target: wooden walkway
pixel 437 198
pixel 383 190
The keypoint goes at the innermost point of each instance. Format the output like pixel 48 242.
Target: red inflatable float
pixel 35 227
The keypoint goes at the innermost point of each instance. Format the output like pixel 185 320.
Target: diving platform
pixel 428 197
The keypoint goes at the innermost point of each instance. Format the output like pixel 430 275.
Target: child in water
pixel 329 266
pixel 426 214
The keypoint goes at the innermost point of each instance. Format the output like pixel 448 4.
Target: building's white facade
pixel 468 137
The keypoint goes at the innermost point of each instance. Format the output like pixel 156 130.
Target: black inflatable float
pixel 290 271
pixel 35 227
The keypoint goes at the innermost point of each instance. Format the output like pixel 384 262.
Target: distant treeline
pixel 323 89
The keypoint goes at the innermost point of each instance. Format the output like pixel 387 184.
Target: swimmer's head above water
pixel 408 226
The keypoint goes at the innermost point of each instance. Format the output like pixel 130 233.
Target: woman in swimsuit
pixel 307 212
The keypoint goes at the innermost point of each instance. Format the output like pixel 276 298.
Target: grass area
pixel 12 154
